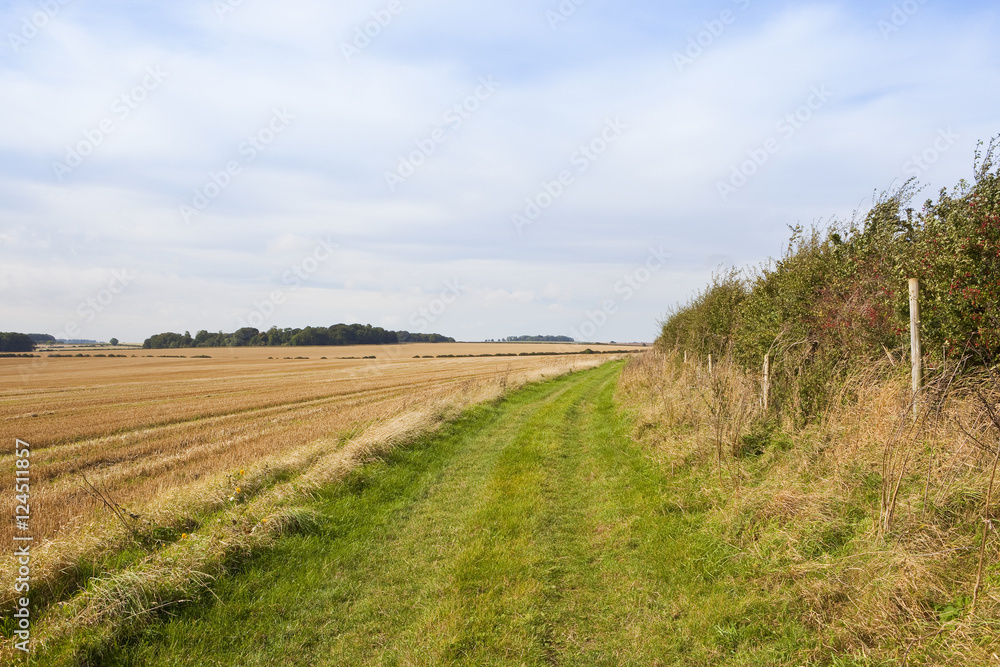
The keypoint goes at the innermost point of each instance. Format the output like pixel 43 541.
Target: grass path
pixel 533 532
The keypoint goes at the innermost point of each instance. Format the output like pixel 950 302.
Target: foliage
pixel 707 323
pixel 538 339
pixel 338 334
pixel 838 297
pixel 16 342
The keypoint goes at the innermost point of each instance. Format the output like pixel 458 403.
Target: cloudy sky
pixel 478 169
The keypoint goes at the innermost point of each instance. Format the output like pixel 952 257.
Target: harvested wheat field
pixel 139 426
pixel 128 444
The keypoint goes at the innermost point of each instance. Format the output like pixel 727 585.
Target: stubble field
pixel 141 426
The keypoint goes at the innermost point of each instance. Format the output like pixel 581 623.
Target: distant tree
pixel 539 339
pixel 167 340
pixel 16 342
pixel 113 341
pixel 243 337
pixel 407 337
pixel 337 334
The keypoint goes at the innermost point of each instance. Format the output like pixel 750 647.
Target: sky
pixel 477 169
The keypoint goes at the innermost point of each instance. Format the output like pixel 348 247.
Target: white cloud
pixel 324 176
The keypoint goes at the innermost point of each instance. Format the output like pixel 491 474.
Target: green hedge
pixel 837 297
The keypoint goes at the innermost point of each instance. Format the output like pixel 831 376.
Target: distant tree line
pixel 538 339
pixel 337 334
pixel 16 342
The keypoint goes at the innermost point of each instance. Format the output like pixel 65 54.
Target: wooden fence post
pixel 916 371
pixel 767 379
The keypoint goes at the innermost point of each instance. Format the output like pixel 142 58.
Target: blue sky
pixel 476 169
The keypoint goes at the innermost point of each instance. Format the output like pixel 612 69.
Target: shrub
pixel 837 297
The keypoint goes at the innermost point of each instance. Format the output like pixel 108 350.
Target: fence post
pixel 916 372
pixel 767 379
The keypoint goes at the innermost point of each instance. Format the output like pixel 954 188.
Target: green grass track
pixel 533 531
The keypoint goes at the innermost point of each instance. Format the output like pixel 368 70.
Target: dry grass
pixel 874 522
pixel 183 442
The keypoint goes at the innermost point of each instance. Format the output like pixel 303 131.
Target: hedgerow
pixel 837 296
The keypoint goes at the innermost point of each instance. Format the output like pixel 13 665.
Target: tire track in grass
pixel 531 532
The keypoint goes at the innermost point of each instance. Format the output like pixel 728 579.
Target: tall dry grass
pixel 874 522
